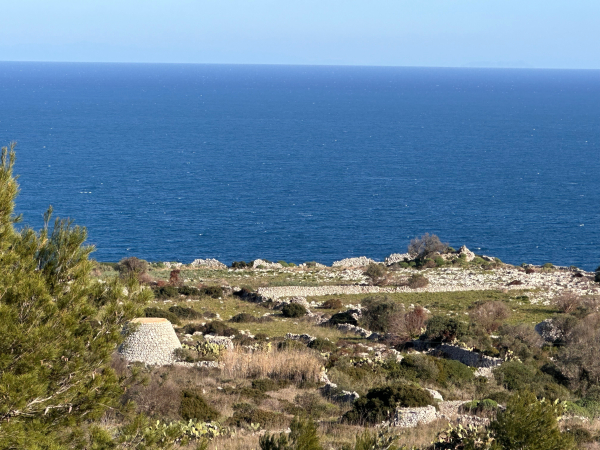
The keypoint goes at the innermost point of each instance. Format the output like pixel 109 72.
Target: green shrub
pixel 215 327
pixel 165 292
pixel 380 403
pixel 267 384
pixel 190 291
pixel 425 368
pixel 246 414
pixel 484 407
pixel 445 329
pixel 240 265
pixel 439 261
pixel 530 424
pixel 157 312
pixel 579 434
pixel 378 313
pixel 132 265
pixel 417 281
pixel 243 318
pixel 293 310
pixel 322 345
pixel 344 317
pixel 303 436
pixel 332 303
pixel 376 272
pixel 290 344
pixel 193 406
pixel 185 313
pixel 212 291
pixel 548 266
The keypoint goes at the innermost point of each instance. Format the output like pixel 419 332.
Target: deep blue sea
pixel 301 163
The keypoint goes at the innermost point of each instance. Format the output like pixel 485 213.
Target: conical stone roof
pixel 152 341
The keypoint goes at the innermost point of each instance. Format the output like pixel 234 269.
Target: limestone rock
pixel 265 264
pixel 209 263
pixel 411 417
pixel 548 331
pixel 360 261
pixel 396 258
pixel 221 341
pixel 469 255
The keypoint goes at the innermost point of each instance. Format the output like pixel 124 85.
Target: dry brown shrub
pixel 296 365
pixel 411 324
pixel 417 281
pixel 145 278
pixel 567 302
pixel 174 277
pixel 579 360
pixel 157 399
pixel 490 315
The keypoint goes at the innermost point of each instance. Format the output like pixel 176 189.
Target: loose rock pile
pixel 396 258
pixel 153 341
pixel 360 261
pixel 209 263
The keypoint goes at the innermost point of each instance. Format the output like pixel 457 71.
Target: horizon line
pixel 298 65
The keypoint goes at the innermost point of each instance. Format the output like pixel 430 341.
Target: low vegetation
pixel 278 365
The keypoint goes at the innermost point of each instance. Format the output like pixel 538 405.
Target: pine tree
pixel 58 327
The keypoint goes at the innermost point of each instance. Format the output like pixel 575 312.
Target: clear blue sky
pixel 481 33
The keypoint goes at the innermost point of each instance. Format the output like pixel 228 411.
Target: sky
pixel 448 33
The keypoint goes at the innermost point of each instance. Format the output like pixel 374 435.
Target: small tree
pixel 377 273
pixel 490 315
pixel 58 328
pixel 426 245
pixel 530 424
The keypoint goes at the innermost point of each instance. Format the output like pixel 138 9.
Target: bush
pixel 157 312
pixel 490 315
pixel 193 406
pixel 378 313
pixel 266 384
pixel 380 403
pixel 485 407
pixel 345 317
pixel 417 281
pixel 548 266
pixel 240 265
pixel 293 310
pixel 426 245
pixel 429 369
pixel 249 318
pixel 185 313
pixel 212 291
pixel 530 424
pixel 322 345
pixel 332 303
pixel 567 302
pixel 376 272
pixel 189 291
pixel 303 436
pixel 132 265
pixel 246 414
pixel 445 329
pixel 165 292
pixel 411 324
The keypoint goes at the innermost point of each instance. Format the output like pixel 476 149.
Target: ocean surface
pixel 301 163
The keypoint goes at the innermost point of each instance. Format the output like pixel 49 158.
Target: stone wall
pixel 153 342
pixel 467 357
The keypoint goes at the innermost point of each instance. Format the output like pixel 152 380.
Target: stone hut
pixel 152 342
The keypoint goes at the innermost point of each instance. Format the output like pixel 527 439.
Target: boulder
pixel 209 263
pixel 469 255
pixel 548 331
pixel 221 341
pixel 360 261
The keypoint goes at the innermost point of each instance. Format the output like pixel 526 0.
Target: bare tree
pixel 426 245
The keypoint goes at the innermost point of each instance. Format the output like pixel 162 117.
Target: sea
pixel 173 162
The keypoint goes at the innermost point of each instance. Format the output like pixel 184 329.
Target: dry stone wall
pixel 153 341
